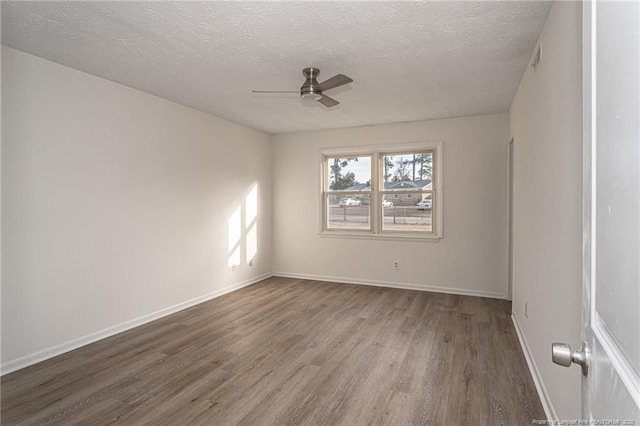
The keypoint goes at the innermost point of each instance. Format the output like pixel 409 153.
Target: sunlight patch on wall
pixel 251 224
pixel 234 232
pixel 251 201
pixel 252 243
pixel 243 231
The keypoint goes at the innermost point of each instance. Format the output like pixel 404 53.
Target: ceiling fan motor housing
pixel 309 89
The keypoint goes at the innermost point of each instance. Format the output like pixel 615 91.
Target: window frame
pixel 326 191
pixel 377 191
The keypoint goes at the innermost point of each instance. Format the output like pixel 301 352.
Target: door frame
pixel 510 180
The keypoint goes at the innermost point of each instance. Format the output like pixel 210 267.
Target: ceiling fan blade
pixel 335 81
pixel 327 101
pixel 276 91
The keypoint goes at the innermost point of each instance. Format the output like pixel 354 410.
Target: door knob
pixel 562 354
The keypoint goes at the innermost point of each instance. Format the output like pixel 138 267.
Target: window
pixel 390 192
pixel 348 193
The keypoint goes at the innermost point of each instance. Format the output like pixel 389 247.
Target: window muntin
pixel 390 192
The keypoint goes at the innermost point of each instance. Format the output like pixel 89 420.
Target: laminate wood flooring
pixel 293 352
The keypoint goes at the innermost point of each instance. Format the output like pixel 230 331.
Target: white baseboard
pixel 53 351
pixel 392 284
pixel 537 379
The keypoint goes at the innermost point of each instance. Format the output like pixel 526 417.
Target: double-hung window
pixel 387 191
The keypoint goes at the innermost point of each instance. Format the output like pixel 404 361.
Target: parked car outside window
pixel 349 202
pixel 424 204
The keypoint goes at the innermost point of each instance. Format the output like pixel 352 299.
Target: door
pixel 611 244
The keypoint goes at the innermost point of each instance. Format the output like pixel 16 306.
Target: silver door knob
pixel 562 354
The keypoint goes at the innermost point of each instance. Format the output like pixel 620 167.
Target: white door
pixel 611 249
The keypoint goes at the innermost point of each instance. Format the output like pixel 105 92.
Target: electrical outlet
pixel 396 264
pixel 234 267
pixel 526 309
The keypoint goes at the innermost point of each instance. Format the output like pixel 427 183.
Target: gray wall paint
pixel 472 256
pixel 114 204
pixel 546 123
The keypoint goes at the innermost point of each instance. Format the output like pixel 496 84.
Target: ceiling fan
pixel 313 90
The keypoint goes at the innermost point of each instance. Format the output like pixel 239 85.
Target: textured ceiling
pixel 409 60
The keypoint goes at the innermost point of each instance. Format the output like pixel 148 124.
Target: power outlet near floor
pixel 396 264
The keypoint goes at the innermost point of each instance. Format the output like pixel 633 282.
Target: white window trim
pixel 376 232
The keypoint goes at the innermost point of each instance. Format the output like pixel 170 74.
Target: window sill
pixel 366 235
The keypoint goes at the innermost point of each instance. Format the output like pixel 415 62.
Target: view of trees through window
pixel 342 172
pixel 407 167
pixel 403 196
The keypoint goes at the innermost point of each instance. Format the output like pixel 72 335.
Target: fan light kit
pixel 312 90
pixel 311 96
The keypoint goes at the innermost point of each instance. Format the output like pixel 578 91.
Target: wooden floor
pixel 293 352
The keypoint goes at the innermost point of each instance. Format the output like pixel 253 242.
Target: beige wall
pixel 114 206
pixel 472 256
pixel 546 124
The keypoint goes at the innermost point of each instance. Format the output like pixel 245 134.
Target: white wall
pixel 472 256
pixel 114 206
pixel 546 123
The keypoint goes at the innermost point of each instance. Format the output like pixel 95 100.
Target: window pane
pixel 349 173
pixel 405 198
pixel 407 171
pixel 399 215
pixel 348 212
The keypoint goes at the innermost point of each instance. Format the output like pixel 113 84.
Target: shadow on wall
pixel 242 231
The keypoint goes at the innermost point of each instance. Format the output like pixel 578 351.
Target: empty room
pixel 320 213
